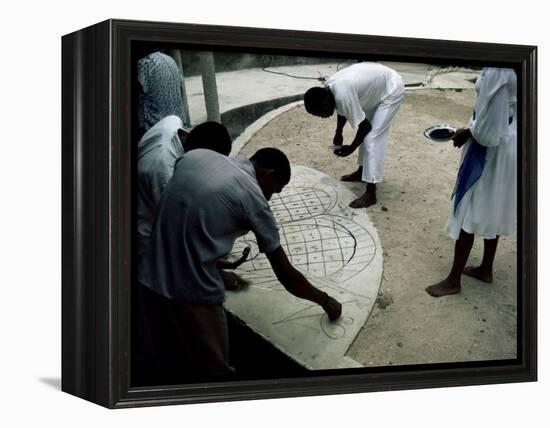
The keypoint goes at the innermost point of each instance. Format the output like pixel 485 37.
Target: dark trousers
pixel 178 342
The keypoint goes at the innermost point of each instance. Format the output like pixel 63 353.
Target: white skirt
pixel 489 207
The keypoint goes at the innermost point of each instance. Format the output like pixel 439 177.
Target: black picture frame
pixel 96 210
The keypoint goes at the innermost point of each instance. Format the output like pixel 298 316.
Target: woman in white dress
pixel 484 198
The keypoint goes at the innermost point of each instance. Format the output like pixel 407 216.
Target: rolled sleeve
pixel 264 226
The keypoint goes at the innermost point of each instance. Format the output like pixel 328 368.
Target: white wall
pixel 30 211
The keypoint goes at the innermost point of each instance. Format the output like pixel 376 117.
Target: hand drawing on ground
pixel 326 246
pixel 336 249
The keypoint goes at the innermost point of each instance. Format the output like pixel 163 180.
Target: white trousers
pixel 372 149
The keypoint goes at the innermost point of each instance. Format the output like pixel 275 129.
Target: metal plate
pixel 440 133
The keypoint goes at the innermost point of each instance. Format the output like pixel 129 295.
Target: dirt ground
pixel 407 326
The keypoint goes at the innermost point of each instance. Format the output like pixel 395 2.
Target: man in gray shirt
pixel 210 201
pixel 158 150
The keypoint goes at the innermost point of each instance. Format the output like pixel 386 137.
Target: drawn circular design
pixel 335 329
pixel 335 248
pixel 299 202
pixel 324 246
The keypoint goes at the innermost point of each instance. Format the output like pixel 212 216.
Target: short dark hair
pixel 274 159
pixel 209 135
pixel 314 98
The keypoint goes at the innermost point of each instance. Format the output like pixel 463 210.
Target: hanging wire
pixel 264 68
pixel 320 78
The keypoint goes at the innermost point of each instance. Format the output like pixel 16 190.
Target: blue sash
pixel 470 170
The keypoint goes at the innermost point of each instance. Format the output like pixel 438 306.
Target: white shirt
pixel 360 88
pixel 158 150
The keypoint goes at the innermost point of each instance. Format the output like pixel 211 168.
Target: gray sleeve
pixel 264 227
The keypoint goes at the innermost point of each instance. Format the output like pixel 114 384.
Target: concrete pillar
pixel 208 73
pixel 176 54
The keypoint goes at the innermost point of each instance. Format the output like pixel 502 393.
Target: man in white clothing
pixel 158 150
pixel 367 95
pixel 484 201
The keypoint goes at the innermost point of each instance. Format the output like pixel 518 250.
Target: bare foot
pixel 364 201
pixel 443 288
pixel 354 176
pixel 478 273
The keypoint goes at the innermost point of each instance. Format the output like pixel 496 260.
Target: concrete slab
pixel 249 132
pixel 336 248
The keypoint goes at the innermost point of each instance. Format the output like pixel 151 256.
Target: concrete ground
pixel 407 326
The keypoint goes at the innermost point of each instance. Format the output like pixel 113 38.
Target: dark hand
pixel 338 139
pixel 461 137
pixel 344 151
pixel 232 281
pixel 333 308
pixel 242 259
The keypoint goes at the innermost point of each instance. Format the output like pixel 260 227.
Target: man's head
pixel 272 170
pixel 207 135
pixel 319 102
